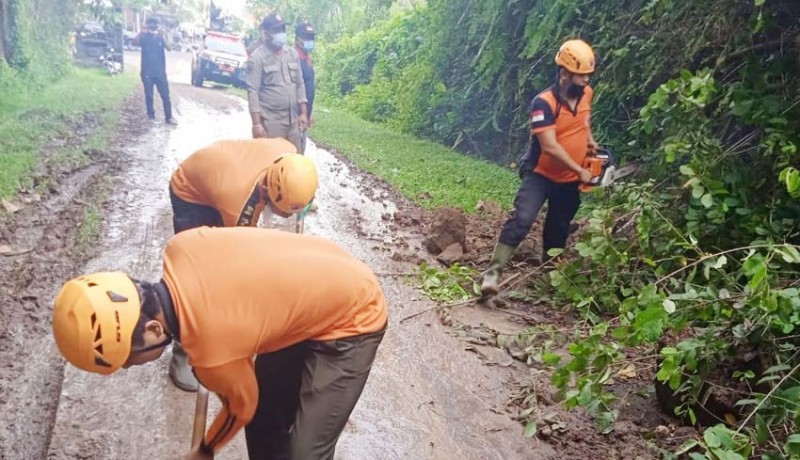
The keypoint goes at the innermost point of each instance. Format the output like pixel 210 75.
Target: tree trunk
pixel 3 29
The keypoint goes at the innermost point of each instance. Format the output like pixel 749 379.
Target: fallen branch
pixel 525 277
pixel 709 256
pixel 771 392
pixel 452 305
pixel 396 274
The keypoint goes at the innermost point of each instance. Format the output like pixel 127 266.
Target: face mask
pixel 279 39
pixel 308 45
pixel 575 91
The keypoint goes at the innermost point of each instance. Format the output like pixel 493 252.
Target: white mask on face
pixel 279 39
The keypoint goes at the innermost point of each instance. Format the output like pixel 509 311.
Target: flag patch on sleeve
pixel 537 116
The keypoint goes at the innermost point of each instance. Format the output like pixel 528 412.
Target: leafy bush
pixel 701 263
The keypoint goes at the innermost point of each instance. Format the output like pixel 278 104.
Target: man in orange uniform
pixel 561 137
pixel 229 183
pixel 311 314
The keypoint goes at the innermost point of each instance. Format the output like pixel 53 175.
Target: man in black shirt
pixel 154 68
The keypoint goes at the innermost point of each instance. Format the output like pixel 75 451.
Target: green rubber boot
pixel 179 370
pixel 491 277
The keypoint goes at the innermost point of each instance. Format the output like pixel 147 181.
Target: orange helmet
pixel 292 182
pixel 93 321
pixel 576 56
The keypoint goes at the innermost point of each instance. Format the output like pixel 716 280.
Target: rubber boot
pixel 491 277
pixel 179 370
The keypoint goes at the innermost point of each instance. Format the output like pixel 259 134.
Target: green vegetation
pixel 89 227
pixel 696 263
pixel 456 282
pixel 34 42
pixel 333 18
pixel 423 171
pixel 31 118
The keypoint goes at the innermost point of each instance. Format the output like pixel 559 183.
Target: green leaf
pixel 762 429
pixel 759 2
pixel 551 358
pixel 687 446
pixel 698 191
pixel 669 306
pixel 793 444
pixel 790 254
pixel 531 429
pixel 585 396
pixel 716 437
pixel 686 170
pixel 707 200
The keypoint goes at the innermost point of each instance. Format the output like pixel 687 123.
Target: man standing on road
pixel 276 94
pixel 154 68
pixel 228 184
pixel 304 44
pixel 561 137
pixel 311 314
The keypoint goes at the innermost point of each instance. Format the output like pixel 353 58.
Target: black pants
pixel 306 393
pixel 563 201
pixel 187 215
pixel 163 91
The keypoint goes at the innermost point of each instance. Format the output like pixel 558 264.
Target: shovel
pixel 200 413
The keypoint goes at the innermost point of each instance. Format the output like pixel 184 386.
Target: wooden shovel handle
pixel 200 415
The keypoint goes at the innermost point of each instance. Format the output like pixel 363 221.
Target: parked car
pixel 93 41
pixel 221 59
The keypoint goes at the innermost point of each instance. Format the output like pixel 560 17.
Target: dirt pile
pixel 448 227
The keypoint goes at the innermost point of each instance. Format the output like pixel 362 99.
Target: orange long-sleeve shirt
pixel 225 174
pixel 238 292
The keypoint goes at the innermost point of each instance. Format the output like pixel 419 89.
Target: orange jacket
pixel 572 132
pixel 238 292
pixel 225 175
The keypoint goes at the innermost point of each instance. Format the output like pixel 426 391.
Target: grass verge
pixel 423 171
pixel 31 119
pixel 427 173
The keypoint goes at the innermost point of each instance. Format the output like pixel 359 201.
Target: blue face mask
pixel 308 45
pixel 279 39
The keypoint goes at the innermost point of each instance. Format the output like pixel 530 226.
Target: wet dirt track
pixel 426 398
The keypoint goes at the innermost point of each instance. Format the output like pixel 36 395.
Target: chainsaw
pixel 605 172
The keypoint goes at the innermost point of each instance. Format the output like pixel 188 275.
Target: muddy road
pixel 427 398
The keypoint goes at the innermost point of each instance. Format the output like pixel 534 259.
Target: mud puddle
pixel 427 398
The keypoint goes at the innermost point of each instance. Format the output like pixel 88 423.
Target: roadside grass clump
pixel 29 119
pixel 427 173
pixel 89 228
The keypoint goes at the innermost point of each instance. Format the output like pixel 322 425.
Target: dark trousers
pixel 163 91
pixel 563 201
pixel 187 215
pixel 306 393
